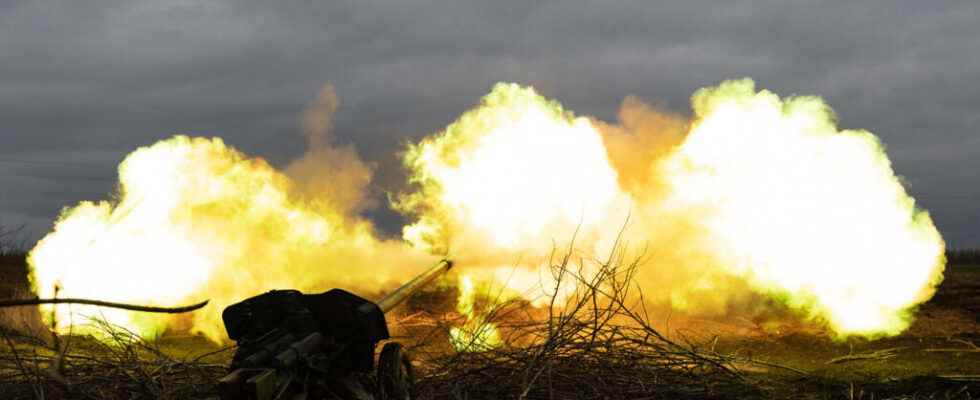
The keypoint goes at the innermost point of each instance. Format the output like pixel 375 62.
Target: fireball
pixel 753 196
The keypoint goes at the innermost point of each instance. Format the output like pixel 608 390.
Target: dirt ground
pixel 938 357
pixel 942 341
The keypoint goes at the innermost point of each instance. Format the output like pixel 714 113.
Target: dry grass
pixel 596 343
pixel 592 344
pixel 34 364
pixel 120 366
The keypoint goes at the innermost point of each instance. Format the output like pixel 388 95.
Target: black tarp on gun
pixel 294 345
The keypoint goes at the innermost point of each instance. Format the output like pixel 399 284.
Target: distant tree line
pixel 963 256
pixel 9 246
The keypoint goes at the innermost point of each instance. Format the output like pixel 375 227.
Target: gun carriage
pixel 293 345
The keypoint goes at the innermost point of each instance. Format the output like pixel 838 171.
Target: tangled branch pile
pixel 597 344
pixel 120 366
pixel 594 341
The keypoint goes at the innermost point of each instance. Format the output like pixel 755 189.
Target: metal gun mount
pixel 318 346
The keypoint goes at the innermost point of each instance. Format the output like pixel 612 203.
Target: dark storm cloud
pixel 86 82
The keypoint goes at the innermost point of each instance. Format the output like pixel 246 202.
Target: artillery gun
pixel 318 346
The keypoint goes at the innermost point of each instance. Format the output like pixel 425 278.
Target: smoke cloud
pixel 752 204
pixel 329 172
pixel 196 219
pixel 754 197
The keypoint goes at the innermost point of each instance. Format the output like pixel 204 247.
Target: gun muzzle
pixel 399 295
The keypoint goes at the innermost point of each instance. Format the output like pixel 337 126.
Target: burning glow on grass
pixel 476 333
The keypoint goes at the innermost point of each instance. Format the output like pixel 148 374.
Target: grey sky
pixel 82 83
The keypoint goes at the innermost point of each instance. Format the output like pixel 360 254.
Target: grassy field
pixel 937 358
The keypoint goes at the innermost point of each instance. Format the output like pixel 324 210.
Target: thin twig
pixel 100 303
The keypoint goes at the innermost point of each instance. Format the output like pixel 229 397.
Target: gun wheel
pixel 395 375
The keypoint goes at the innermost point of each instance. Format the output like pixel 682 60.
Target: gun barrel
pixel 399 295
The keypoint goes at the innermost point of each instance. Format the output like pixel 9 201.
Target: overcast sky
pixel 82 83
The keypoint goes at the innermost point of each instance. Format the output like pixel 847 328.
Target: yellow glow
pixel 476 333
pixel 507 173
pixel 804 211
pixel 758 194
pixel 198 220
pixel 754 196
